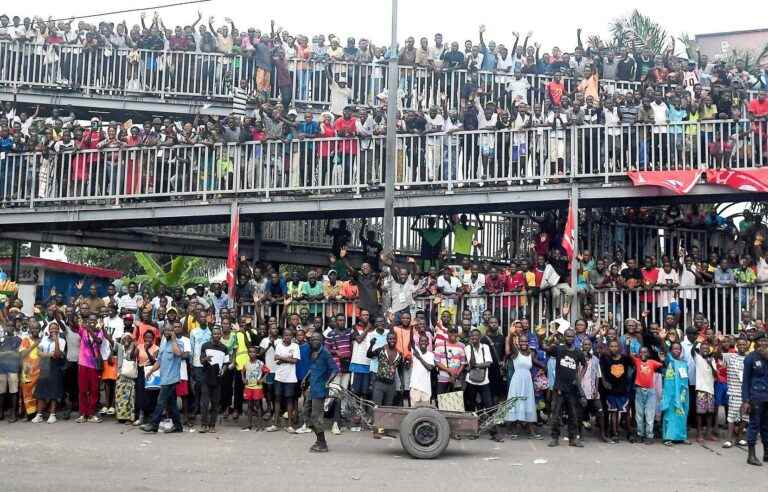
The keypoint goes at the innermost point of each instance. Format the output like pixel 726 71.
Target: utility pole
pixel 393 81
pixel 574 204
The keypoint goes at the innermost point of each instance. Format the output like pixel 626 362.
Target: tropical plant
pixel 182 272
pixel 634 31
pixel 690 45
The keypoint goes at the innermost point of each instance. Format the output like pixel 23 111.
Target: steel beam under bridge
pixel 132 241
pixel 341 206
pixel 103 103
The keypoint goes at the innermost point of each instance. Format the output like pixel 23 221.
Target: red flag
pixel 234 239
pixel 568 240
pixel 680 182
pixel 755 179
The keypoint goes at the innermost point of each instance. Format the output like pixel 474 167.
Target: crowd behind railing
pixel 124 164
pixel 201 60
pixel 616 305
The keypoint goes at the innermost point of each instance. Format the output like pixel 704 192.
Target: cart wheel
pixel 424 433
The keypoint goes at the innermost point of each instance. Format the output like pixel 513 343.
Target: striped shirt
pixel 239 101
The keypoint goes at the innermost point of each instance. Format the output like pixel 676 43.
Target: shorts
pixel 251 394
pixel 617 403
pixel 419 398
pixel 182 388
pixel 361 382
pixel 705 403
pixel 285 390
pixel 519 150
pixel 270 378
pixel 9 383
pixel 721 394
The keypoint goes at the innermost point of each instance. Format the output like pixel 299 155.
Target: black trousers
pixel 210 398
pixel 569 399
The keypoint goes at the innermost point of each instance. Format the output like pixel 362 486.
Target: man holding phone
pixel 169 364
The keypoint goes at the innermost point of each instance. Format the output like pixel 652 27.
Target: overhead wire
pixel 104 14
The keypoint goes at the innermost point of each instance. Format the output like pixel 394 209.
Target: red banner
pixel 755 179
pixel 568 239
pixel 234 239
pixel 679 182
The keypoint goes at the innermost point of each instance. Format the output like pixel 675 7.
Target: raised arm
pixel 480 224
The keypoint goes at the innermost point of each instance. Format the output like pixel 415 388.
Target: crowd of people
pixel 579 134
pixel 495 124
pixel 255 356
pixel 203 59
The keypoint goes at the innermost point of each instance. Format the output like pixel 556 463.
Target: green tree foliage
pixel 123 261
pixel 181 271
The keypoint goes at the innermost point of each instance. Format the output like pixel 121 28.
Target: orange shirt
pixel 403 338
pixel 351 293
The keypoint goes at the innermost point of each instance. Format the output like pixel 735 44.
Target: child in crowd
pixel 253 375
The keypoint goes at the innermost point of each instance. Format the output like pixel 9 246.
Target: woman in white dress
pixel 521 384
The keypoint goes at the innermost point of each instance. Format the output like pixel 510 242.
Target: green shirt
pixel 462 239
pixel 317 290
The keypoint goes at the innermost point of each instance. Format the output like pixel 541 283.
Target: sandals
pixel 668 443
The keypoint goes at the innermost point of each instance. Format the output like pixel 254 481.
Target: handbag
pixel 476 375
pixel 129 369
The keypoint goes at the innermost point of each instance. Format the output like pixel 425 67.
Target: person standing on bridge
pixel 464 237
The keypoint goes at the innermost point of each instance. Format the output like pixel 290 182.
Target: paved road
pixel 98 457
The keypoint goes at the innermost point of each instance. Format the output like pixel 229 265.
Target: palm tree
pixel 641 31
pixel 182 271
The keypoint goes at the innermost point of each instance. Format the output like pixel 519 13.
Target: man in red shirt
pixel 650 276
pixel 758 113
pixel 555 89
pixel 347 126
pixel 758 108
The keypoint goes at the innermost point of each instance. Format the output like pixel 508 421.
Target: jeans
pixel 570 399
pixel 303 85
pixel 383 393
pixel 197 381
pixel 450 161
pixel 167 399
pixel 645 411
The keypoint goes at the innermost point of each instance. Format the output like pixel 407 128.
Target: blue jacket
pixel 754 386
pixel 320 371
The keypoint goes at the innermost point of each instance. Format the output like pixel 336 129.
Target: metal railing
pixel 722 305
pixel 191 74
pixel 351 165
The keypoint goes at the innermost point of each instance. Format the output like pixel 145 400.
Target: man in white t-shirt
pixel 340 93
pixel 421 374
pixel 479 359
pixel 287 354
pixel 448 285
pixel 434 124
pixel 517 88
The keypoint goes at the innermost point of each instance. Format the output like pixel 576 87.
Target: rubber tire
pixel 409 443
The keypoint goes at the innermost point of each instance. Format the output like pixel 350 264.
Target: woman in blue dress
pixel 675 398
pixel 522 360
